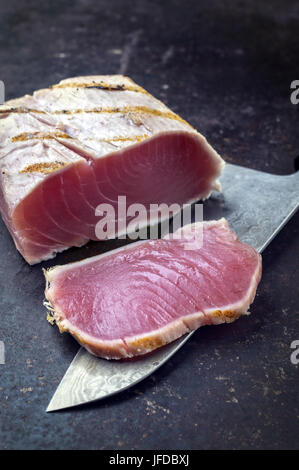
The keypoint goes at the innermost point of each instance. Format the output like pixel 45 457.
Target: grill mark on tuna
pixel 21 110
pixel 102 86
pixel 38 135
pixel 45 167
pixel 127 110
pixel 109 110
pixel 57 135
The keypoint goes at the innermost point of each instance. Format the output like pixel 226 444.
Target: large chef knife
pixel 257 205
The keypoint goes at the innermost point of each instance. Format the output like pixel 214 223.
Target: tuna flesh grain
pixel 84 142
pixel 132 300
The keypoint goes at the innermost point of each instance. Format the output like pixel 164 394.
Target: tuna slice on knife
pixel 84 142
pixel 132 300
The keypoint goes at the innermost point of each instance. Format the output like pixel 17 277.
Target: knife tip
pixel 51 408
pixel 54 406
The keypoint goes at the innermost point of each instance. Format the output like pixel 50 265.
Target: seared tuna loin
pixel 132 300
pixel 84 142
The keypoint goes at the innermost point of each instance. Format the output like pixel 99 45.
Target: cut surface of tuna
pixel 84 142
pixel 132 300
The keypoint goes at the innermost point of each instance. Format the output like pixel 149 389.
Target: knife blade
pixel 257 205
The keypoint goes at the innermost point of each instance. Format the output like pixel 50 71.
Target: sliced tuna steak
pixel 84 142
pixel 135 299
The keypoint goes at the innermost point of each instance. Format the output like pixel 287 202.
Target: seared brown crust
pixel 109 110
pixel 140 345
pixel 24 136
pixel 101 85
pixel 45 168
